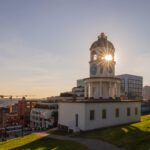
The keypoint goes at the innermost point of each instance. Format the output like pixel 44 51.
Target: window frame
pixel 104 113
pixel 117 113
pixel 92 114
pixel 136 110
pixel 128 111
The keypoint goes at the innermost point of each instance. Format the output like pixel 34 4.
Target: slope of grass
pixel 133 137
pixel 33 142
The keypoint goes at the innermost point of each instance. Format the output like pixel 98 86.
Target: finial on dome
pixel 102 35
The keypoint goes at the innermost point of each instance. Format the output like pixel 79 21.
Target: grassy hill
pixel 133 137
pixel 33 142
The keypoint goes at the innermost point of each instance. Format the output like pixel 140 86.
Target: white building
pixel 88 115
pixel 42 115
pixel 102 106
pixel 146 93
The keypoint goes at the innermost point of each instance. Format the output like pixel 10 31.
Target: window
pixel 128 112
pixel 95 57
pixel 117 112
pixel 134 89
pixel 104 114
pixel 92 114
pixel 76 119
pixel 136 111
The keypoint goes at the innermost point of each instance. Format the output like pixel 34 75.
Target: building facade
pixel 131 86
pixel 146 93
pixel 79 89
pixel 43 115
pixel 87 115
pixel 102 106
pixel 24 109
pixel 3 111
pixel 10 119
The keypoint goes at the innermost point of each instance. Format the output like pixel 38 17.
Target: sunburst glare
pixel 108 57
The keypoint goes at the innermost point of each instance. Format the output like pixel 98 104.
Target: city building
pixel 44 115
pixel 24 109
pixel 146 93
pixel 131 86
pixel 3 110
pixel 80 82
pixel 7 118
pixel 79 89
pixel 10 119
pixel 102 106
pixel 56 99
pixel 145 107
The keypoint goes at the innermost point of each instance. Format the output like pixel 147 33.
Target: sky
pixel 44 44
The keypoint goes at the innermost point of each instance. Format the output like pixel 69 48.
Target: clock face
pixel 93 69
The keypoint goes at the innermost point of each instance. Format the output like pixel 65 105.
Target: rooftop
pixel 102 42
pixel 99 101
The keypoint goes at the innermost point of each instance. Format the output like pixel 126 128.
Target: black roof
pixel 102 42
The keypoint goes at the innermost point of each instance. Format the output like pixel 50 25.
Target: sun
pixel 108 57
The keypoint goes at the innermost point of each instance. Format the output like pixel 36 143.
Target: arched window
pixel 94 56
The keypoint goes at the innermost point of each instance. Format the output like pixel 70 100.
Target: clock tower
pixel 102 83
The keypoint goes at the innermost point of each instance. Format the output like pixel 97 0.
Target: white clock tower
pixel 102 83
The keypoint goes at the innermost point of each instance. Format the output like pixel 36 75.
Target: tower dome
pixel 102 63
pixel 102 42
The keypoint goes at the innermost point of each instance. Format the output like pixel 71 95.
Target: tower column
pixel 100 89
pixel 97 90
pixel 116 91
pixel 113 90
pixel 110 89
pixel 89 90
pixel 85 90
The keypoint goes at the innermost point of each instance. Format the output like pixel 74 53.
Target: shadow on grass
pixel 43 143
pixel 129 136
pixel 134 138
pixel 46 143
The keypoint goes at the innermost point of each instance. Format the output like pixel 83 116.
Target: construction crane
pixel 11 97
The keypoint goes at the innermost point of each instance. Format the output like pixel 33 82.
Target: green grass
pixel 33 142
pixel 133 137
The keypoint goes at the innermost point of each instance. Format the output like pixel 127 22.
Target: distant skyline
pixel 44 45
